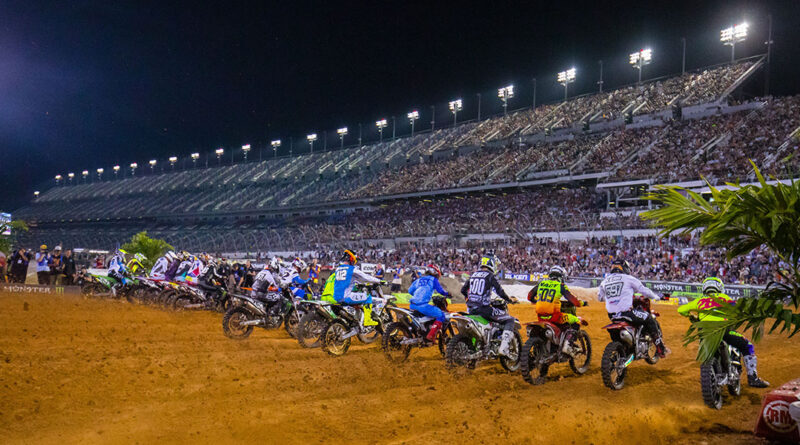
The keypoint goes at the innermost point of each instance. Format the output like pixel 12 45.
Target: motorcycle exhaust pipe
pixel 194 306
pixel 252 322
pixel 411 341
pixel 350 334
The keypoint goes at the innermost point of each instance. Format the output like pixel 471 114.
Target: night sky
pixel 88 84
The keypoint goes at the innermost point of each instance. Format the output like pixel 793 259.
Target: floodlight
pixel 219 151
pixel 71 175
pixel 455 107
pixel 85 173
pixel 565 78
pixel 36 193
pixel 342 131
pixel 276 143
pixel 195 156
pixel 173 159
pixel 100 171
pixel 733 35
pixel 641 58
pixel 246 148
pixel 153 162
pixel 412 117
pixel 311 137
pixel 58 177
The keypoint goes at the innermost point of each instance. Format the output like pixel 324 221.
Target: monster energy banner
pixel 15 288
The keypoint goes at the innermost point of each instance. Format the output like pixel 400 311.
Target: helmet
pixel 349 257
pixel 140 257
pixel 490 263
pixel 122 251
pixel 185 255
pixel 558 272
pixel 299 264
pixel 621 266
pixel 713 285
pixel 434 270
pixel 170 256
pixel 275 263
pixel 43 247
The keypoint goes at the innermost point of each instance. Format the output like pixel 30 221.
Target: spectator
pixel 56 264
pixel 3 268
pixel 42 259
pixel 70 271
pixel 19 266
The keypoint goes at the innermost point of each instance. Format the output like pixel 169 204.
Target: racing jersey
pixel 117 264
pixel 547 294
pixel 423 289
pixel 264 279
pixel 702 303
pixel 159 269
pixel 478 289
pixel 617 291
pixel 346 277
pixel 196 268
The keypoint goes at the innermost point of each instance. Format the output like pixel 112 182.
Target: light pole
pixel 70 175
pixel 412 117
pixel 455 107
pixel 134 166
pixel 565 78
pixel 639 59
pixel 116 171
pixel 381 124
pixel 683 56
pixel 245 150
pixel 36 194
pixel 534 93
pixel 433 117
pixel 58 179
pixel 733 35
pixel 275 144
pixel 195 157
pixel 311 138
pixel 172 161
pixel 479 107
pixel 100 174
pixel 505 94
pixel 342 132
pixel 600 82
pixel 152 165
pixel 85 174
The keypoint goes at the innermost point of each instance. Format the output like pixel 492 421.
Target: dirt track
pixel 74 370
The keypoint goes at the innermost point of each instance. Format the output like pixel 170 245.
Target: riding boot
pixel 661 349
pixel 434 330
pixel 751 365
pixel 368 321
pixel 505 349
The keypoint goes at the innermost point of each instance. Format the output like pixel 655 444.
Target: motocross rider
pixel 116 269
pixel 347 274
pixel 421 291
pixel 478 292
pixel 547 296
pixel 713 295
pixel 617 291
pixel 265 287
pixel 290 277
pixel 208 279
pixel 135 265
pixel 159 270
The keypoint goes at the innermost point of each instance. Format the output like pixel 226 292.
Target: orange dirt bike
pixel 628 344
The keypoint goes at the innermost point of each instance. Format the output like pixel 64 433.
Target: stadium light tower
pixel 641 58
pixel 505 94
pixel 116 170
pixel 733 35
pixel 70 175
pixel 36 194
pixel 134 166
pixel 275 144
pixel 565 78
pixel 220 151
pixel 195 157
pixel 85 175
pixel 58 179
pixel 100 174
pixel 455 107
pixel 412 117
pixel 311 138
pixel 153 163
pixel 245 150
pixel 172 161
pixel 342 132
pixel 381 124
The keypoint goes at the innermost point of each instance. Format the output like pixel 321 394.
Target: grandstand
pixel 562 166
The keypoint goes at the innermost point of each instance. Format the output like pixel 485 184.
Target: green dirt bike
pixel 97 285
pixel 343 322
pixel 478 339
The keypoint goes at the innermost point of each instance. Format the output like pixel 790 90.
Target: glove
pixel 584 303
pixel 383 283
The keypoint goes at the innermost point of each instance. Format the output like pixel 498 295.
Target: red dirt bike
pixel 628 343
pixel 549 343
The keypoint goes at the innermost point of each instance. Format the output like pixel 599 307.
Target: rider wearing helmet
pixel 135 265
pixel 162 264
pixel 617 291
pixel 347 274
pixel 478 292
pixel 713 297
pixel 116 269
pixel 290 276
pixel 210 279
pixel 548 294
pixel 422 290
pixel 265 287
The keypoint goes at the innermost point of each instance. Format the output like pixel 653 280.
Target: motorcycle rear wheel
pixel 651 357
pixel 458 348
pixel 335 345
pixel 533 371
pixel 291 322
pixel 393 335
pixel 612 365
pixel 310 330
pixel 586 346
pixel 511 364
pixel 231 323
pixel 712 394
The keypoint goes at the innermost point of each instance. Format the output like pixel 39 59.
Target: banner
pixel 16 288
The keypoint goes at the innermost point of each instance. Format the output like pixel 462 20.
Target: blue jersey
pixel 343 282
pixel 423 288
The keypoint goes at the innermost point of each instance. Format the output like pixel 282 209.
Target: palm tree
pixel 741 218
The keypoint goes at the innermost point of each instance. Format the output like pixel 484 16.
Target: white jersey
pixel 287 275
pixel 617 291
pixel 159 268
pixel 263 280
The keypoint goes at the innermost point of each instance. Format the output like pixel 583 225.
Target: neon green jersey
pixel 699 305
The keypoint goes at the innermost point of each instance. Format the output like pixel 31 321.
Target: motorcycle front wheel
pixel 460 347
pixel 392 346
pixel 511 364
pixel 709 376
pixel 335 345
pixel 231 323
pixel 579 363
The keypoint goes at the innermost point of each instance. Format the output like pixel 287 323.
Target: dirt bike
pixel 246 312
pixel 724 368
pixel 628 343
pixel 479 339
pixel 550 343
pixel 343 322
pixel 410 330
pixel 313 323
pixel 102 286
